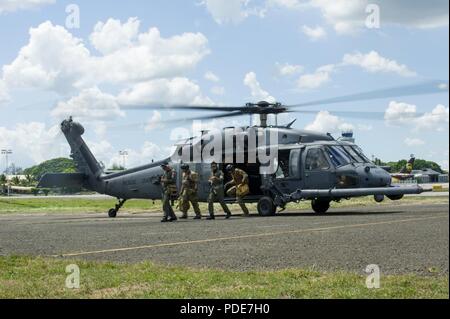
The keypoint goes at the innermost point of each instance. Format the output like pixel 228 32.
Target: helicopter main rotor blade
pixel 185 108
pixel 359 115
pixel 172 121
pixel 409 90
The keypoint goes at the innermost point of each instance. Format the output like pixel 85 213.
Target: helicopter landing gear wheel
pixel 320 206
pixel 266 207
pixel 112 213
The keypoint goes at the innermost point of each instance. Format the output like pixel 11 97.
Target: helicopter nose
pixel 373 176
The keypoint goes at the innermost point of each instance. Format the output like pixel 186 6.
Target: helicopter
pixel 307 166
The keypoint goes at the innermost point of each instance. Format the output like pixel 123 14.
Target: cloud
pixel 136 157
pixel 15 5
pixel 399 113
pixel 314 33
pixel 154 122
pixel 317 79
pixel 328 123
pixel 4 95
pixel 257 92
pixel 112 36
pixel 373 62
pixel 55 60
pixel 287 4
pixel 287 69
pixel 349 16
pixel 232 11
pixel 168 91
pixel 218 90
pixel 34 142
pixel 210 76
pixel 414 141
pixel 89 105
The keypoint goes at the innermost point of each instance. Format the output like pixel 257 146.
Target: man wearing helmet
pixel 217 192
pixel 169 187
pixel 240 187
pixel 188 193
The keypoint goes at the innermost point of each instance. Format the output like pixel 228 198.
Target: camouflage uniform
pixel 188 194
pixel 169 186
pixel 239 177
pixel 217 193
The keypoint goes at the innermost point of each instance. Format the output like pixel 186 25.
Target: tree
pixel 57 165
pixel 117 167
pixel 3 179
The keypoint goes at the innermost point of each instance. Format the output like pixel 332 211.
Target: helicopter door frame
pixel 294 180
pixel 317 177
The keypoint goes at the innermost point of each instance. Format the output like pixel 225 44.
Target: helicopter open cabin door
pixel 288 175
pixel 318 171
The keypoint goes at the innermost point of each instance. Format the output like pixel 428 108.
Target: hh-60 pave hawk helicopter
pixel 310 165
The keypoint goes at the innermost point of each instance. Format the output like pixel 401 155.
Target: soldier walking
pixel 169 187
pixel 240 187
pixel 188 193
pixel 217 192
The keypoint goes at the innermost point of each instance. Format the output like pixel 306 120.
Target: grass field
pixel 100 205
pixel 22 277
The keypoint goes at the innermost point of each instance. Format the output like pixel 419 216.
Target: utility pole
pixel 124 155
pixel 6 153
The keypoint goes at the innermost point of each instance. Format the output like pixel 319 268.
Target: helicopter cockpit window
pixel 316 160
pixel 354 154
pixel 338 156
pixel 361 153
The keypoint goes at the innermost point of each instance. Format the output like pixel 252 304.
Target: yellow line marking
pixel 203 241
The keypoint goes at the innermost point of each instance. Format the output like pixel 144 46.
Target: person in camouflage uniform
pixel 239 180
pixel 169 186
pixel 217 192
pixel 188 192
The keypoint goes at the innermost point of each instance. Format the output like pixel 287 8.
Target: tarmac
pixel 397 238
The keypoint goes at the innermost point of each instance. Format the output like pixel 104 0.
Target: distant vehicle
pixel 405 172
pixel 310 166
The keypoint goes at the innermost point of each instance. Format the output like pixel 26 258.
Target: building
pixel 427 176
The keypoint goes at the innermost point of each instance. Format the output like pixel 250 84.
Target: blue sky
pixel 217 52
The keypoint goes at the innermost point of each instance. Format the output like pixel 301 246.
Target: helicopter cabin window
pixel 316 160
pixel 355 155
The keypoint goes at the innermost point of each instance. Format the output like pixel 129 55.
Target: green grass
pixel 24 277
pixel 96 205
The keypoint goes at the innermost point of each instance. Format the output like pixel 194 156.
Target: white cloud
pixel 287 4
pixel 210 76
pixel 218 90
pixel 328 123
pixel 4 95
pixel 164 91
pixel 226 11
pixel 89 105
pixel 349 16
pixel 15 5
pixel 55 60
pixel 154 122
pixel 34 142
pixel 437 120
pixel 399 113
pixel 315 80
pixel 113 35
pixel 257 92
pixel 148 152
pixel 375 63
pixel 414 142
pixel 314 33
pixel 287 69
pixel 372 62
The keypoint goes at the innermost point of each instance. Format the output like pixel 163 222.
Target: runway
pixel 398 238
